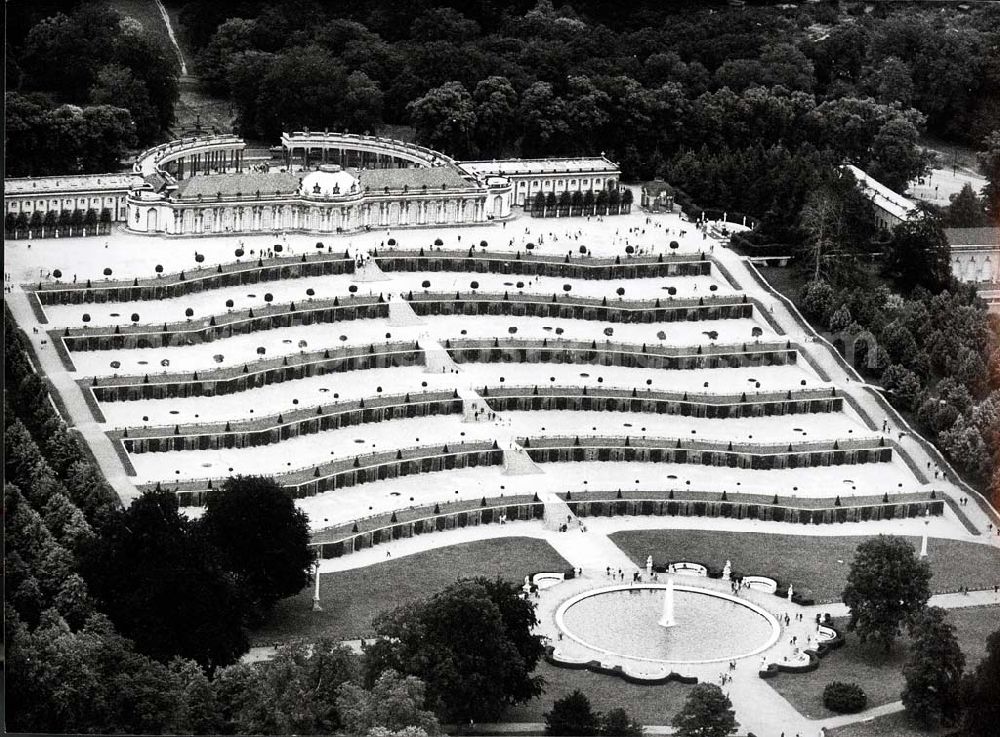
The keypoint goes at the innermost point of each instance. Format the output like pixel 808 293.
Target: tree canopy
pixel 84 85
pixel 919 255
pixel 933 672
pixel 887 586
pixel 707 712
pixel 261 537
pixel 471 644
pixel 982 692
pixel 164 587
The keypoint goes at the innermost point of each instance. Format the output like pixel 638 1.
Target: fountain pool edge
pixel 755 608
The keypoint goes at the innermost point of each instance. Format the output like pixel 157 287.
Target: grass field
pixel 880 676
pixel 892 725
pixel 647 704
pixel 808 563
pixel 351 599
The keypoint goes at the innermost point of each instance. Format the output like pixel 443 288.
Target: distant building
pixel 890 208
pixel 657 196
pixel 528 177
pixel 975 254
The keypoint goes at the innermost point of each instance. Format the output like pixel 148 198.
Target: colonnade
pixel 345 157
pixel 210 162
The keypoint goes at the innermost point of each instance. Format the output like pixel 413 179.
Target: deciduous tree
pixel 471 644
pixel 162 585
pixel 919 255
pixel 887 587
pixel 393 703
pixel 445 118
pixel 707 712
pixel 933 672
pixel 262 537
pixel 982 693
pixel 572 715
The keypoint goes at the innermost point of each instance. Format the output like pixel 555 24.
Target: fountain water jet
pixel 667 620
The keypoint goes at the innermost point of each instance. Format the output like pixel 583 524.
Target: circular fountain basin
pixel 710 626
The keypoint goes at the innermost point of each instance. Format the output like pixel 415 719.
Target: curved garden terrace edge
pixel 269 429
pixel 230 379
pixel 316 478
pixel 313 311
pixel 696 404
pixel 240 273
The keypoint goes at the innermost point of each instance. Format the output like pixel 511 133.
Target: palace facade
pixel 325 183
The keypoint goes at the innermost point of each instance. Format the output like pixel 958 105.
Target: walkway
pixel 80 416
pixel 173 38
pixel 848 380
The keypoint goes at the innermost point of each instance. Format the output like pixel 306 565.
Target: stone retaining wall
pixel 274 429
pixel 435 523
pixel 182 284
pixel 658 403
pixel 216 382
pixel 749 510
pixel 567 267
pixel 706 453
pixel 577 308
pixel 618 354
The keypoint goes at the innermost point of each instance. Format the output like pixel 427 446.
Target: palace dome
pixel 328 181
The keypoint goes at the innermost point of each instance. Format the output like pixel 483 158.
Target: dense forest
pixel 84 86
pixel 490 79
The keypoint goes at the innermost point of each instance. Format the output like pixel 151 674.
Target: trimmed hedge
pixel 844 698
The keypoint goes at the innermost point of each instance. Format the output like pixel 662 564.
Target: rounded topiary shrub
pixel 844 698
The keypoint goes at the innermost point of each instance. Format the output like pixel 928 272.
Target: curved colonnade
pixel 201 186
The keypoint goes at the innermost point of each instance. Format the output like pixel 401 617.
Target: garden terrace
pixel 757 456
pixel 409 514
pixel 568 307
pixel 721 406
pixel 687 494
pixel 232 379
pixel 200 280
pixel 528 264
pixel 223 326
pixel 316 479
pixel 275 428
pixel 761 353
pixel 527 508
pixel 816 511
pixel 351 537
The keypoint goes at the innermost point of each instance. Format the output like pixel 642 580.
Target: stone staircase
pixel 401 315
pixel 438 361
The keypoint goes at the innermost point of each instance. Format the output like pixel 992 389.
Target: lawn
pixel 808 563
pixel 647 704
pixel 891 725
pixel 880 676
pixel 351 599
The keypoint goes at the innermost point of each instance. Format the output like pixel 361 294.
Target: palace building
pixel 325 183
pixel 102 193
